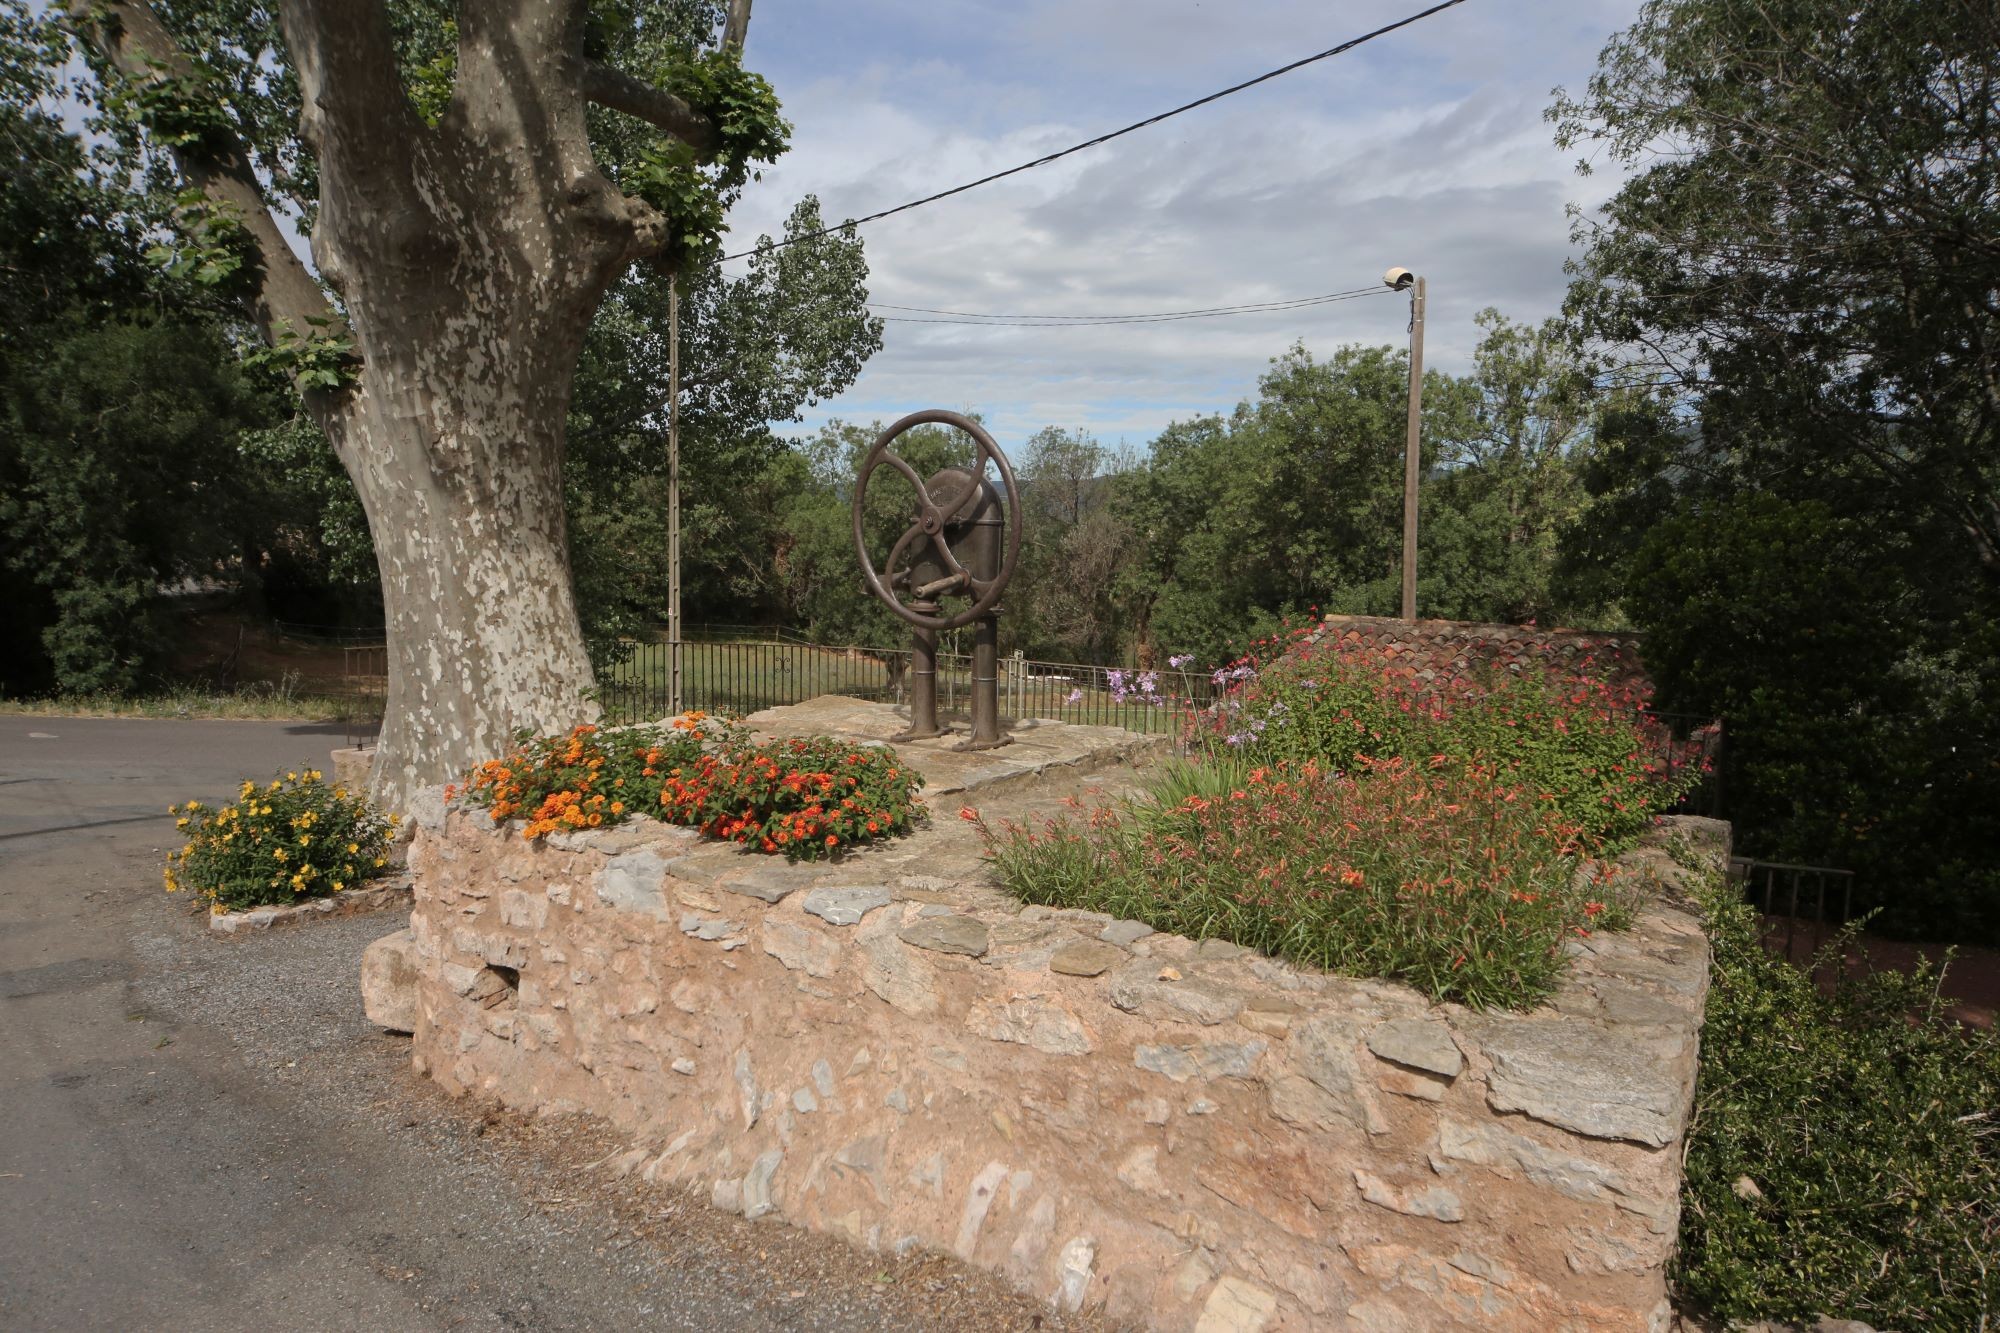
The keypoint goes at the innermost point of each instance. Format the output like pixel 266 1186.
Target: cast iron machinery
pixel 963 542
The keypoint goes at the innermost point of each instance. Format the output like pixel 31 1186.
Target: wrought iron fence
pixel 744 677
pixel 365 669
pixel 1802 895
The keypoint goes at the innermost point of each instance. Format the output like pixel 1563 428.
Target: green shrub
pixel 291 839
pixel 1438 876
pixel 802 798
pixel 1844 1157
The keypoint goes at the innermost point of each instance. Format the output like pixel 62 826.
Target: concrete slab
pixel 1038 751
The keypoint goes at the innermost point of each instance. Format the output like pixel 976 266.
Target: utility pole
pixel 674 702
pixel 1412 450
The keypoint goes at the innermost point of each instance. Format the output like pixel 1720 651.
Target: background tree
pixel 468 238
pixel 1804 260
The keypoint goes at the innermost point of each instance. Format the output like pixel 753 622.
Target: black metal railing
pixel 745 677
pixel 1812 898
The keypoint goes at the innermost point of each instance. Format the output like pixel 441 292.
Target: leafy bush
pixel 1439 875
pixel 293 838
pixel 1581 744
pixel 802 798
pixel 588 778
pixel 1844 1157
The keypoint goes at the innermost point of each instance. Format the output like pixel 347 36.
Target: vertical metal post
pixel 985 682
pixel 1412 451
pixel 923 685
pixel 675 704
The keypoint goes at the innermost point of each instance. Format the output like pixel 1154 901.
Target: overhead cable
pixel 1043 161
pixel 1099 321
pixel 1240 306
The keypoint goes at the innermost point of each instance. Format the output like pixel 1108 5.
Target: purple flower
pixel 1149 684
pixel 1073 697
pixel 1116 680
pixel 1180 660
pixel 1240 738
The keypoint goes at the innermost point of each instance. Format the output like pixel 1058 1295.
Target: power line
pixel 1093 322
pixel 1204 310
pixel 1327 54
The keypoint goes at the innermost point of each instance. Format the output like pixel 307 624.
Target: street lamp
pixel 1401 279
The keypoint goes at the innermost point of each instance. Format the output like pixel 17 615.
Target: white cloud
pixel 1426 148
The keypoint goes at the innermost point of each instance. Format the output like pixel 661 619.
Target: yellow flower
pixel 353 847
pixel 181 822
pixel 315 775
pixel 379 863
pixel 173 810
pixel 275 784
pixel 338 886
pixel 305 840
pixel 278 852
pixel 291 777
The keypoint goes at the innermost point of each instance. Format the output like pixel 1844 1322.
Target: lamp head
pixel 1398 278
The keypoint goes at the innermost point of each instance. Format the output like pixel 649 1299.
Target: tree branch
pixel 737 26
pixel 357 119
pixel 613 88
pixel 138 48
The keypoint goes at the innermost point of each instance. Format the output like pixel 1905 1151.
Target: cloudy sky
pixel 1425 148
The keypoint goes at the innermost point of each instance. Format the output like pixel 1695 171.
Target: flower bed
pixel 1564 736
pixel 1447 879
pixel 801 798
pixel 1342 813
pixel 290 840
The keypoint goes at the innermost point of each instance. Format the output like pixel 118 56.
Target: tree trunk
pixel 482 625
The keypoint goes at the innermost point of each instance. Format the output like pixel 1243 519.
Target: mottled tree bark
pixel 468 259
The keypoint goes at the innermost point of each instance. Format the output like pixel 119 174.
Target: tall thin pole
pixel 674 702
pixel 1412 454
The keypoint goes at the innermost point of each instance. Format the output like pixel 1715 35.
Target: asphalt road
pixel 203 1133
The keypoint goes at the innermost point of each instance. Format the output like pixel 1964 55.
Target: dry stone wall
pixel 1188 1136
pixel 1443 651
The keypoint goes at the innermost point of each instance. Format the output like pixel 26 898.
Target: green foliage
pixel 1843 1159
pixel 803 798
pixel 292 839
pixel 1851 743
pixel 214 250
pixel 1444 878
pixel 120 475
pixel 180 111
pixel 320 361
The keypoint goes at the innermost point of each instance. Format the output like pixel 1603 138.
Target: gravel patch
pixel 492 1220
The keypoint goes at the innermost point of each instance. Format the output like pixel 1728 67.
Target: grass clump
pixel 1844 1157
pixel 291 839
pixel 1443 877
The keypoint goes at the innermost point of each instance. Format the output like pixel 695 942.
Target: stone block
pixel 948 934
pixel 846 905
pixel 1585 1077
pixel 1420 1043
pixel 389 977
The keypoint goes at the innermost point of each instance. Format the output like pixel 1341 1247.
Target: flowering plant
pixel 587 777
pixel 802 798
pixel 290 839
pixel 1447 878
pixel 1587 745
